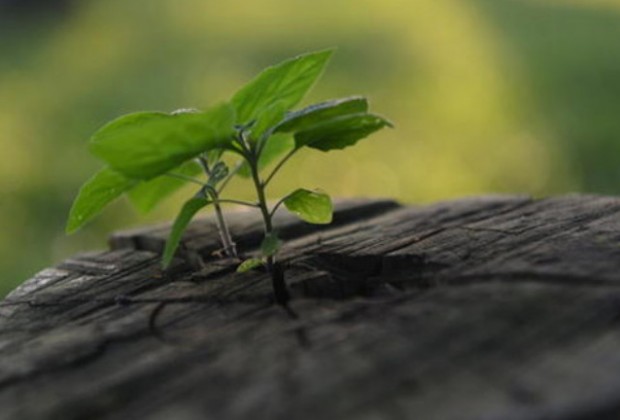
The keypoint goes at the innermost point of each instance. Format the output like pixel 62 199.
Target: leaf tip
pixel 71 228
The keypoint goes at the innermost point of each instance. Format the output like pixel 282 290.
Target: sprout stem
pixel 275 269
pixel 232 173
pixel 230 248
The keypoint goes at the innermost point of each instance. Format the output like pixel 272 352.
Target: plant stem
pixel 232 173
pixel 230 248
pixel 275 269
pixel 278 204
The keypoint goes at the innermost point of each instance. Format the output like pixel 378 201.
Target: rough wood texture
pixel 485 308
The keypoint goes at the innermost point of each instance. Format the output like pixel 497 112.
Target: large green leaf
pixel 190 208
pixel 145 145
pixel 310 206
pixel 340 132
pixel 276 145
pixel 105 186
pixel 267 120
pixel 318 113
pixel 146 195
pixel 287 82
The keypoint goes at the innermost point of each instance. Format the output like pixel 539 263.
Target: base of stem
pixel 280 291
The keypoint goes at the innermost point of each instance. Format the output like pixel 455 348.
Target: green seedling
pixel 149 155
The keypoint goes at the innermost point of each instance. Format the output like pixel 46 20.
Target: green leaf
pixel 145 145
pixel 287 82
pixel 190 208
pixel 249 264
pixel 276 145
pixel 105 186
pixel 146 195
pixel 267 120
pixel 310 206
pixel 270 245
pixel 318 113
pixel 340 132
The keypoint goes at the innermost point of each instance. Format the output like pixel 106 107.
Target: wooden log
pixel 482 308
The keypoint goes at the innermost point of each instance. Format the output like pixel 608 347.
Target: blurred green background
pixel 487 95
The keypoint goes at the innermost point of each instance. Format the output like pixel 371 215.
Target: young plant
pixel 151 154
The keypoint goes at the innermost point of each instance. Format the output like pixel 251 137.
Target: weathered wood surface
pixel 487 308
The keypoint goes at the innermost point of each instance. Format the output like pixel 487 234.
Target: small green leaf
pixel 287 82
pixel 190 208
pixel 249 264
pixel 267 120
pixel 148 144
pixel 318 113
pixel 340 132
pixel 105 186
pixel 146 195
pixel 310 206
pixel 271 245
pixel 275 146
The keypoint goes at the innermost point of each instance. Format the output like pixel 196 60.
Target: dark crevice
pixel 335 276
pixel 338 276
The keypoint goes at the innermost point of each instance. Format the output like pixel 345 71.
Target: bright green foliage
pixel 310 206
pixel 286 82
pixel 149 155
pixel 271 244
pixel 146 195
pixel 146 145
pixel 268 119
pixel 189 209
pixel 100 190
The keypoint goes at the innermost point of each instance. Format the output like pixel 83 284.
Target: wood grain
pixel 482 308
